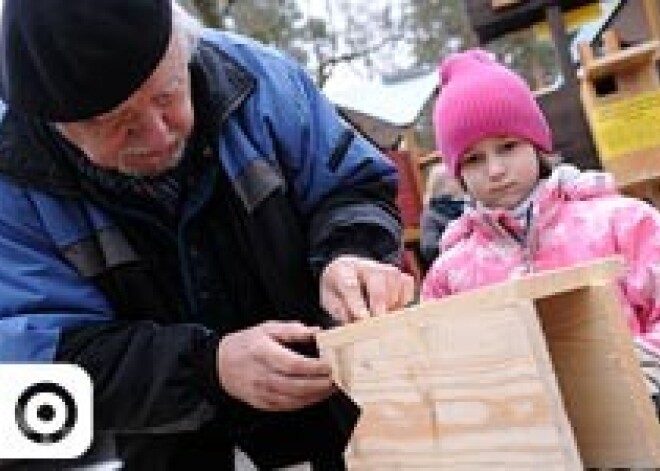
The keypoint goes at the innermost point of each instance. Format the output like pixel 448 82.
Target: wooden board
pixel 480 380
pixel 431 400
pixel 603 390
pixel 410 190
pixel 635 168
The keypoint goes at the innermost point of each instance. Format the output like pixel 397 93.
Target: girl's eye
pixel 509 146
pixel 472 158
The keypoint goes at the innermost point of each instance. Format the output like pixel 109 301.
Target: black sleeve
pixel 432 225
pixel 147 378
pixel 361 221
pixel 162 379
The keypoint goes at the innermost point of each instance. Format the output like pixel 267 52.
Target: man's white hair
pixel 186 25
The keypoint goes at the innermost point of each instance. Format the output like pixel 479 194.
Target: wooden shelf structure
pixel 620 92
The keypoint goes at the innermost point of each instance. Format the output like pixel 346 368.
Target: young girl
pixel 525 218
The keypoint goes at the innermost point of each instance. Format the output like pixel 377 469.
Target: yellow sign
pixel 573 19
pixel 627 125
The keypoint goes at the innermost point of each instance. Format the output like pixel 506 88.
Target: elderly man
pixel 180 211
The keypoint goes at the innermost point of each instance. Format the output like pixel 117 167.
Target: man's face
pixel 145 135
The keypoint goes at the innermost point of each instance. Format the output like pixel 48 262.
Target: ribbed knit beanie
pixel 480 98
pixel 67 60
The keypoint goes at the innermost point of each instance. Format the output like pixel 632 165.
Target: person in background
pixel 443 202
pixel 525 216
pixel 181 211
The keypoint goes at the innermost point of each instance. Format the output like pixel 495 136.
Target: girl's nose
pixel 496 167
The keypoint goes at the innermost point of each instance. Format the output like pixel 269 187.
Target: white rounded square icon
pixel 45 411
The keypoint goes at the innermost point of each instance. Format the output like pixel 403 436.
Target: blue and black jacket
pixel 141 304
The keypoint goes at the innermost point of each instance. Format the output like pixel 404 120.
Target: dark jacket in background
pixel 437 214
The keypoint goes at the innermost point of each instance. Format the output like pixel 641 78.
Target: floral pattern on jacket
pixel 577 216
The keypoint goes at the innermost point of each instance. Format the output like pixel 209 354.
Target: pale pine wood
pixel 480 380
pixel 586 54
pixel 499 4
pixel 611 41
pixel 652 11
pixel 432 401
pixel 603 390
pixel 412 145
pixel 535 286
pixel 635 168
pixel 622 60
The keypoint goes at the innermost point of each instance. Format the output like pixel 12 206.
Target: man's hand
pixel 354 288
pixel 256 367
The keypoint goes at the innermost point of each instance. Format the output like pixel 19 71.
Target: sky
pixel 344 75
pixel 313 7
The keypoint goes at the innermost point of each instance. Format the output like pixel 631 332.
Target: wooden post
pixel 415 156
pixel 611 42
pixel 560 38
pixel 538 371
pixel 652 11
pixel 573 113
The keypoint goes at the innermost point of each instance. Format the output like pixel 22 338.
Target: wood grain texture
pixel 535 370
pixel 600 378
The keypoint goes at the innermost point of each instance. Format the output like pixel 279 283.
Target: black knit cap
pixel 67 60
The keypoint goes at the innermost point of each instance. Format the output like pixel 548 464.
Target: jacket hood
pixel 566 183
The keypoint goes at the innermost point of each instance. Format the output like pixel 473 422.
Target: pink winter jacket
pixel 577 216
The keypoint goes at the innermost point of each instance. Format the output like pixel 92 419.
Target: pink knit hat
pixel 480 98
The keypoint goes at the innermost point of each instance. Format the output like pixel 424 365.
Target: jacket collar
pixel 33 154
pixel 567 183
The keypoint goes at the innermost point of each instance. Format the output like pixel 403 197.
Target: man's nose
pixel 155 131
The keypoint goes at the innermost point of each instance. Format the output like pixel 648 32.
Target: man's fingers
pixel 280 356
pixel 258 367
pixel 407 290
pixel 290 363
pixel 402 291
pixel 354 288
pixel 350 290
pixel 286 393
pixel 285 332
pixel 377 290
pixel 388 289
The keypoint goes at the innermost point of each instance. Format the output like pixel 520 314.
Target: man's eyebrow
pixel 110 116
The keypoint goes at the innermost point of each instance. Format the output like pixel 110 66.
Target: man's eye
pixel 164 100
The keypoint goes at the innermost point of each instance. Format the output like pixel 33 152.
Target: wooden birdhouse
pixel 620 92
pixel 535 373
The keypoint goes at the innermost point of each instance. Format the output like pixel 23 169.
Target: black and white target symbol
pixel 45 412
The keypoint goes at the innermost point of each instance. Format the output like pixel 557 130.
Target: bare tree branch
pixel 327 65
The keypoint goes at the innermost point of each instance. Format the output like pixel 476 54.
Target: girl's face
pixel 500 172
